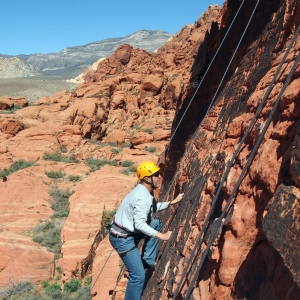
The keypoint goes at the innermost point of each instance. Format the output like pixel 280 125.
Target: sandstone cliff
pixel 129 100
pixel 232 149
pixel 238 157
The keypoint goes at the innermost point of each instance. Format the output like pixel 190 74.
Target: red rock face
pixel 255 255
pixel 134 96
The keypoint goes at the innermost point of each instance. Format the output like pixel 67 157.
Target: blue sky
pixel 44 26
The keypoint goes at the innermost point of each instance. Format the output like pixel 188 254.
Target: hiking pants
pixel 134 261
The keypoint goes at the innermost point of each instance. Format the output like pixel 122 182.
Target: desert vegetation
pixel 16 166
pixel 47 233
pixel 74 289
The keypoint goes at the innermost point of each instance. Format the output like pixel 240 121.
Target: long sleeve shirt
pixel 134 210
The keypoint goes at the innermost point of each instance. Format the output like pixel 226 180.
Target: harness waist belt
pixel 117 228
pixel 114 233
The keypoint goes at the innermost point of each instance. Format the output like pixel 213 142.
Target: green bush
pixel 127 145
pixel 63 149
pixel 136 127
pixel 47 234
pixel 88 281
pixel 72 286
pixel 96 164
pixel 128 171
pixel 61 202
pixel 16 166
pixel 148 130
pixel 45 283
pixel 55 174
pixel 83 294
pixel 54 291
pixel 22 290
pixel 55 156
pixel 116 150
pixel 127 163
pixel 74 178
pixel 150 149
pixel 107 218
pixel 11 110
pixel 100 144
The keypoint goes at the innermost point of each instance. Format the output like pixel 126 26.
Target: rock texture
pixel 256 255
pixel 236 230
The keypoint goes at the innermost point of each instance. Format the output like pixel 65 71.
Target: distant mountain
pixel 13 67
pixel 71 61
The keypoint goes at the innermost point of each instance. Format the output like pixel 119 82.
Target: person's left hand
pixel 177 199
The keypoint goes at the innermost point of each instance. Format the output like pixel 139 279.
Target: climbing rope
pixel 240 40
pixel 102 269
pixel 241 177
pixel 220 185
pixel 205 76
pixel 175 177
pixel 195 135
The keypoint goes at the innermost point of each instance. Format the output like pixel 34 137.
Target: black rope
pixel 175 177
pixel 245 169
pixel 205 76
pixel 205 225
pixel 198 242
pixel 102 269
pixel 244 137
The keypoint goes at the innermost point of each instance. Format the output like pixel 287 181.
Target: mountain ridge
pixel 71 61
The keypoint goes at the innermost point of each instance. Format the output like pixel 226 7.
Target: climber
pixel 132 222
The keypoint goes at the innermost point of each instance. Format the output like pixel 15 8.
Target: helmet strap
pixel 151 183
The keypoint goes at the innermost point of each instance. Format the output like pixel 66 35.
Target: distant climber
pixel 132 223
pixel 4 178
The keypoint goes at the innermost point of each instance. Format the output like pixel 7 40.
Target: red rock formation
pixel 256 255
pixel 10 102
pixel 133 96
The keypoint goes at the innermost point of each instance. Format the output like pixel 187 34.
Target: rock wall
pixel 236 230
pixel 252 179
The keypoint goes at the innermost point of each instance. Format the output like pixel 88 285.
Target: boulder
pixel 10 102
pixel 115 136
pixel 11 126
pixel 141 138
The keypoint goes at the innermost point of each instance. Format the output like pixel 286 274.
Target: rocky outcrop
pixel 11 102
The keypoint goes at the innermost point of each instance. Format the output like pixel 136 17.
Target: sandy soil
pixel 33 88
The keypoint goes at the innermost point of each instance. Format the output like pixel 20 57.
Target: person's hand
pixel 164 236
pixel 177 199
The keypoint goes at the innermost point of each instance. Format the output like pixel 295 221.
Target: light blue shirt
pixel 134 210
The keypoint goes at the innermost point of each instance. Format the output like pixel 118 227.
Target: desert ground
pixel 33 88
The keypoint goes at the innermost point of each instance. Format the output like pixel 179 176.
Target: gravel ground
pixel 33 88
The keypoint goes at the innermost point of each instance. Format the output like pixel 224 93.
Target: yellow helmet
pixel 147 168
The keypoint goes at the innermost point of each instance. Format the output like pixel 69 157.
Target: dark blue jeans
pixel 133 260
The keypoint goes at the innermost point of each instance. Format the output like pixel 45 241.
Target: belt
pixel 117 229
pixel 119 235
